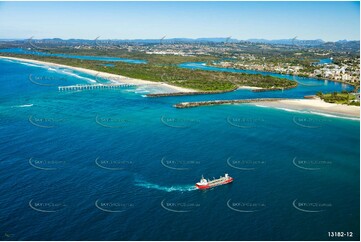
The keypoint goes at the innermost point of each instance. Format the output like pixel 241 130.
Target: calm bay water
pixel 114 165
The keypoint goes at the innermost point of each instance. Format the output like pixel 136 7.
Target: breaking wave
pixel 23 106
pixel 312 112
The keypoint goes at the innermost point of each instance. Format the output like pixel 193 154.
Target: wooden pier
pixel 93 87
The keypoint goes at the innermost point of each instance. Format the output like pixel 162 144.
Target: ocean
pixel 116 165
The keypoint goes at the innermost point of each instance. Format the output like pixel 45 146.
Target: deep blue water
pixel 80 57
pixel 114 165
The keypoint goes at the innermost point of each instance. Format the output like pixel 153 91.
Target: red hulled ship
pixel 206 184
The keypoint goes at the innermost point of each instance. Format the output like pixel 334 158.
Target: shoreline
pixel 355 87
pixel 223 102
pixel 109 76
pixel 169 90
pixel 314 105
pixel 248 88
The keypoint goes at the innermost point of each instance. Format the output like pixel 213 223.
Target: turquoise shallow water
pixel 114 165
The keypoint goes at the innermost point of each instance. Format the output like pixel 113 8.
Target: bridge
pixel 93 86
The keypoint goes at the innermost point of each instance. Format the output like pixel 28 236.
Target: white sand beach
pixel 112 77
pixel 248 87
pixel 316 105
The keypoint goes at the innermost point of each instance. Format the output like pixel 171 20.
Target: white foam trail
pixel 261 106
pixel 28 64
pixel 23 106
pixel 334 116
pixel 63 71
pixel 313 112
pixel 292 110
pixel 319 113
pixel 177 188
pixel 142 90
pixel 8 60
pixel 77 76
pixel 284 109
pixel 36 65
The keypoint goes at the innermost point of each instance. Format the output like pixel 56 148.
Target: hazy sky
pixel 129 20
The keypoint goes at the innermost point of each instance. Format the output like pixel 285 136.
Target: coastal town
pixel 347 71
pixel 318 63
pixel 319 60
pixel 336 61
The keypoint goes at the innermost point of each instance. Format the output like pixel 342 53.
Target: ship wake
pixel 175 188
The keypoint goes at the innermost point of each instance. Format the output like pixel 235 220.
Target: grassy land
pixel 152 59
pixel 339 98
pixel 195 79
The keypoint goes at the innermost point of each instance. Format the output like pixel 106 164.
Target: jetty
pixel 93 86
pixel 172 94
pixel 216 92
pixel 220 102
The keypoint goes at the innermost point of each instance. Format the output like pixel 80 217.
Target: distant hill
pixel 293 41
pixel 344 45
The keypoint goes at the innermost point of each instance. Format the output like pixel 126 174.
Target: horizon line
pixel 229 38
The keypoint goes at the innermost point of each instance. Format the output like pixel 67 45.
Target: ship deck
pixel 217 181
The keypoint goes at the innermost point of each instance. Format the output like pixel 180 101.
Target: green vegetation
pixel 152 59
pixel 339 98
pixel 195 79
